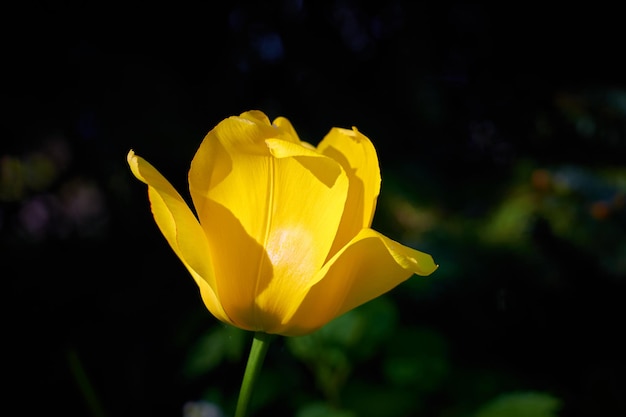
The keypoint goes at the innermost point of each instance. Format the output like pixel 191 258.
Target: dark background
pixel 501 135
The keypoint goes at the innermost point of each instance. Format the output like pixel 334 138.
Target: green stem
pixel 253 369
pixel 84 385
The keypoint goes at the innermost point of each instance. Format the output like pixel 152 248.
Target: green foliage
pixel 416 358
pixel 218 344
pixel 322 410
pixel 521 404
pixel 510 222
pixel 369 398
pixel 331 352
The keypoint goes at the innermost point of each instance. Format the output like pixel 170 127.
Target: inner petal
pixel 282 206
pixel 289 249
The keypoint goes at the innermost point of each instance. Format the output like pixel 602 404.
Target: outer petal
pixel 181 230
pixel 270 209
pixel 356 154
pixel 288 132
pixel 369 266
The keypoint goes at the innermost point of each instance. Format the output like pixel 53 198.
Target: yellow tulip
pixel 280 241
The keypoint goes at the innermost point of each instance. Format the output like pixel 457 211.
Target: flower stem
pixel 260 343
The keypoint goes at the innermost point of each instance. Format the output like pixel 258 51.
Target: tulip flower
pixel 279 240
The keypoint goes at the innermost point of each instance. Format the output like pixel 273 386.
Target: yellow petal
pixel 181 230
pixel 244 133
pixel 270 221
pixel 325 169
pixel 356 154
pixel 287 130
pixel 256 116
pixel 369 266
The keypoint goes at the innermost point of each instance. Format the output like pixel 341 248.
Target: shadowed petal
pixel 369 266
pixel 356 154
pixel 181 230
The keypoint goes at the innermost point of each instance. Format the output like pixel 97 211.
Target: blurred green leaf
pixel 322 410
pixel 359 331
pixel 417 357
pixel 369 399
pixel 510 222
pixel 521 404
pixel 332 351
pixel 221 343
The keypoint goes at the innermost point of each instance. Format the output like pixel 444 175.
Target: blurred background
pixel 501 133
